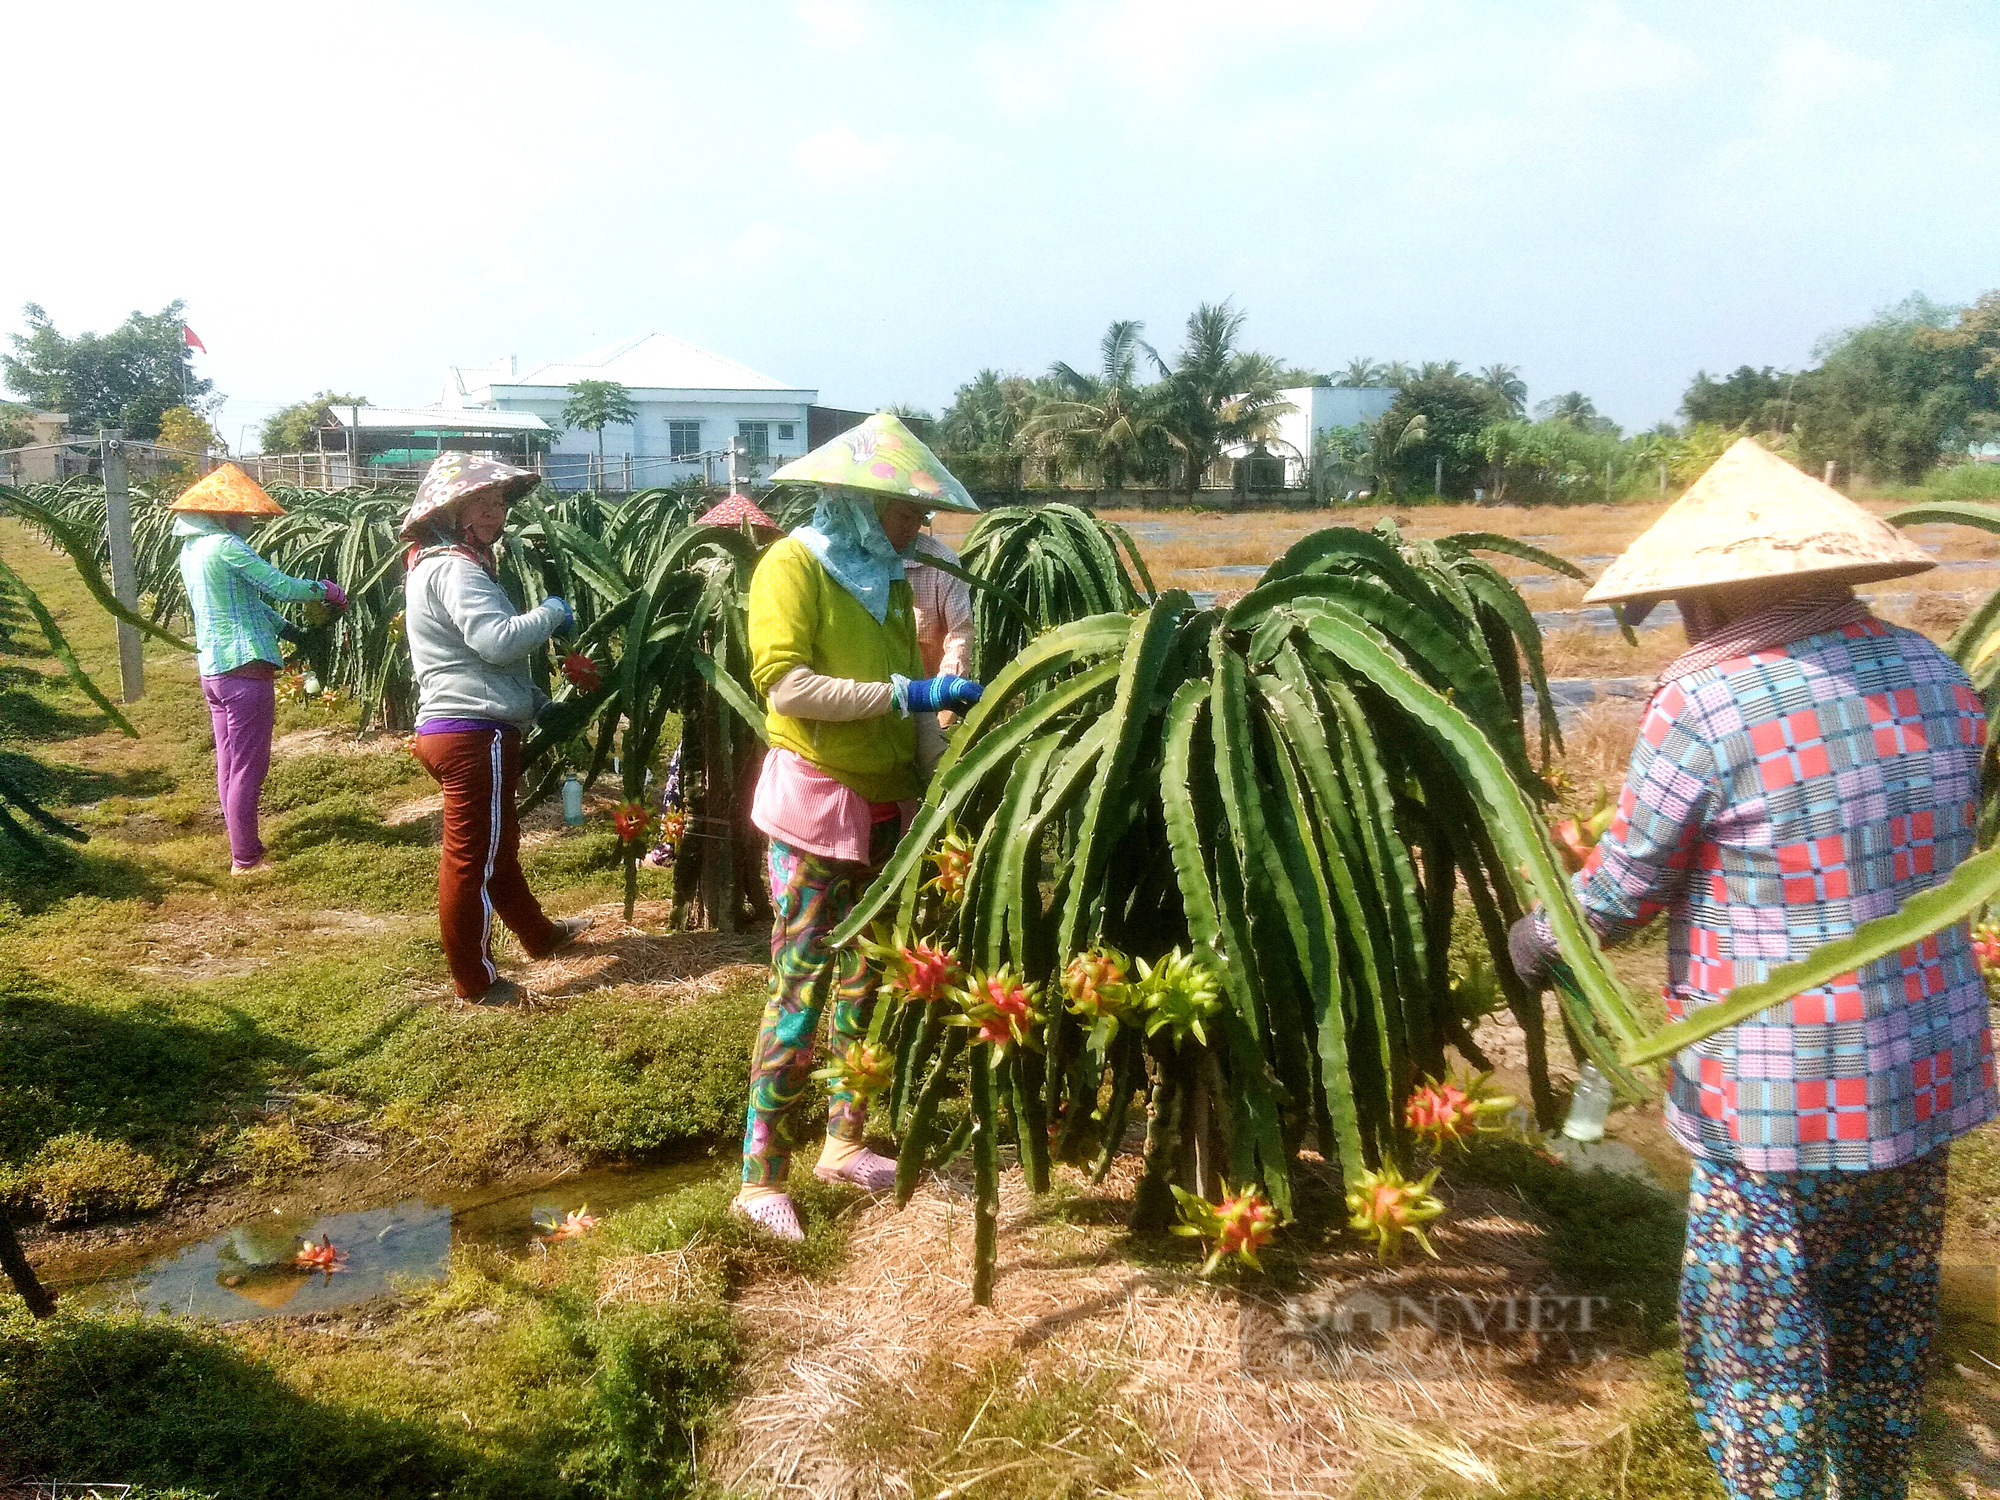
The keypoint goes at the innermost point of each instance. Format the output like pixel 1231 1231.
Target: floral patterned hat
pixel 228 491
pixel 883 457
pixel 453 476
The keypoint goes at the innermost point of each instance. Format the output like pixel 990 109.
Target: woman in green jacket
pixel 852 726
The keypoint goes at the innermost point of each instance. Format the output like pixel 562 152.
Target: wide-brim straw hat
pixel 883 457
pixel 227 491
pixel 454 476
pixel 1751 515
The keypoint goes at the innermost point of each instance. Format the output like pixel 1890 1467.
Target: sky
pixel 877 199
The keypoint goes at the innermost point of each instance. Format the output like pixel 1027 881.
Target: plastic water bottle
pixel 572 795
pixel 1588 1106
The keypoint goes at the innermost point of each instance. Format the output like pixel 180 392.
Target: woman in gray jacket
pixel 475 699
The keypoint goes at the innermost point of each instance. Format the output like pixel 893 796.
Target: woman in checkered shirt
pixel 1802 768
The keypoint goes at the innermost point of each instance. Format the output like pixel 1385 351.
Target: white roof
pixel 653 361
pixel 478 419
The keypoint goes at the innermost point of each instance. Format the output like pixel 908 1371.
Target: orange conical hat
pixel 1752 515
pixel 228 492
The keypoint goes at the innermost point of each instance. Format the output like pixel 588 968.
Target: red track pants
pixel 479 875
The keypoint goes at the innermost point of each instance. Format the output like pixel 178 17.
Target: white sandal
pixel 869 1171
pixel 773 1214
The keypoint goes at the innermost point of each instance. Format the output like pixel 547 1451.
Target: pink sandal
pixel 773 1214
pixel 868 1171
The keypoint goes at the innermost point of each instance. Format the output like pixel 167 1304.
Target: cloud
pixel 1810 74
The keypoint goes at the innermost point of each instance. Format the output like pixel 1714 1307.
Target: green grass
pixel 515 1378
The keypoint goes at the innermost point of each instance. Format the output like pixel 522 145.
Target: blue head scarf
pixel 846 536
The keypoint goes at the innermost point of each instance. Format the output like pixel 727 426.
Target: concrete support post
pixel 124 572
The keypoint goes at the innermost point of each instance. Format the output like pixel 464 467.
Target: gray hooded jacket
pixel 468 646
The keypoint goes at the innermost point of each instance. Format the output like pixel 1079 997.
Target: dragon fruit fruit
pixel 953 858
pixel 1002 1006
pixel 321 1257
pixel 1097 986
pixel 1241 1225
pixel 922 972
pixel 1180 992
pixel 673 826
pixel 863 1070
pixel 630 819
pixel 1453 1110
pixel 582 672
pixel 1388 1206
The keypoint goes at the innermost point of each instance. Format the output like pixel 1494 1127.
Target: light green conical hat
pixel 886 458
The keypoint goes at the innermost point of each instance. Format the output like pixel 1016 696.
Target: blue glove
pixel 927 695
pixel 568 615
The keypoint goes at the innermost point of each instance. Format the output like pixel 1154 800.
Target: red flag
pixel 189 338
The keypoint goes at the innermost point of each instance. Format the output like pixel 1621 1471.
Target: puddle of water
pixel 251 1270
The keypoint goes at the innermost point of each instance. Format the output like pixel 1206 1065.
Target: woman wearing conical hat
pixel 833 647
pixel 1802 767
pixel 236 633
pixel 476 698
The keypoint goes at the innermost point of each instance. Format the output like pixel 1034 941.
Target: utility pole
pixel 124 573
pixel 353 445
pixel 1607 481
pixel 1831 467
pixel 1437 485
pixel 1663 479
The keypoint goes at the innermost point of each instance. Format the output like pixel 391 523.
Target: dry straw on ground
pixel 1208 1390
pixel 674 966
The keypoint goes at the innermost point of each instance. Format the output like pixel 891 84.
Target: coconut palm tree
pixel 1505 382
pixel 1572 409
pixel 1213 395
pixel 1438 369
pixel 1360 371
pixel 1397 373
pixel 1102 419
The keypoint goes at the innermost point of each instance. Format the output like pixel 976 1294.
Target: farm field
pixel 183 1056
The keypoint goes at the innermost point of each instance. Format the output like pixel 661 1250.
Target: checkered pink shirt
pixel 1775 801
pixel 944 610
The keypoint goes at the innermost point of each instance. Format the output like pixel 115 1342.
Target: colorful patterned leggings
pixel 810 896
pixel 1808 1300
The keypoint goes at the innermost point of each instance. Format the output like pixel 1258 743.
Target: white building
pixel 688 402
pixel 1315 409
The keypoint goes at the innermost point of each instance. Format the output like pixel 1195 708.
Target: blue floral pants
pixel 1808 1300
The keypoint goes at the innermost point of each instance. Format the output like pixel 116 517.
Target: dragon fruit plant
pixel 864 1070
pixel 1388 1206
pixel 1097 985
pixel 582 672
pixel 1241 1225
pixel 1001 1005
pixel 1179 993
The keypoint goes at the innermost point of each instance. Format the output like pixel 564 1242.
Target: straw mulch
pixel 1215 1391
pixel 672 966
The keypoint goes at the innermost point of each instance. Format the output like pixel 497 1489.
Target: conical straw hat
pixel 228 492
pixel 1752 515
pixel 885 457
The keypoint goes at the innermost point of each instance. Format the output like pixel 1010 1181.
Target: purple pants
pixel 242 709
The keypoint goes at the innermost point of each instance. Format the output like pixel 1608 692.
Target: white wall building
pixel 688 402
pixel 1315 408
